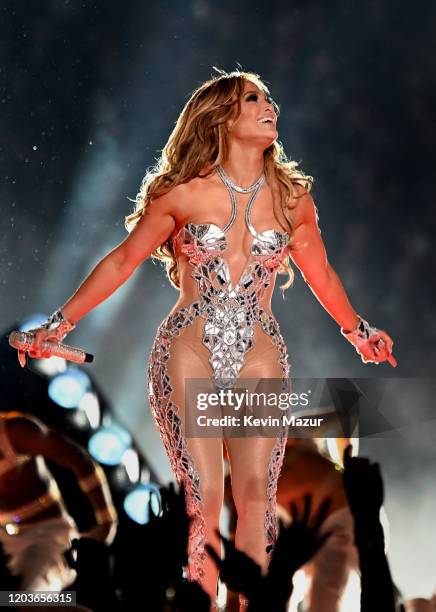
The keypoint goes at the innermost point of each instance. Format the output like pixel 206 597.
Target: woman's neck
pixel 244 165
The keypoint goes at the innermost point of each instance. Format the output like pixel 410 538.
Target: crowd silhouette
pixel 144 568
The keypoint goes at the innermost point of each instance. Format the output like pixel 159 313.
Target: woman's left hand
pixel 377 348
pixel 372 344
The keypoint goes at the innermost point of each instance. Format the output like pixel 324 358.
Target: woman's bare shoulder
pixel 184 196
pixel 199 184
pixel 301 207
pixel 172 201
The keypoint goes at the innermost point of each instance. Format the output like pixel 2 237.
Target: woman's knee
pixel 250 495
pixel 212 500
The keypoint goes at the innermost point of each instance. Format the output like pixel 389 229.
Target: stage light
pixel 130 461
pixel 350 599
pixel 68 388
pixel 32 321
pixel 136 503
pixel 222 595
pixel 79 420
pixel 12 529
pixel 91 406
pixel 301 585
pixel 109 443
pixel 50 367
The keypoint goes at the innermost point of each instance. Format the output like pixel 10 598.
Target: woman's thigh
pixel 255 460
pixel 201 457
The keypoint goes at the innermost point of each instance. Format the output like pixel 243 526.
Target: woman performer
pixel 195 211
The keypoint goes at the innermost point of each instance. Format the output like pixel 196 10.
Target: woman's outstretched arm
pixel 154 227
pixel 308 252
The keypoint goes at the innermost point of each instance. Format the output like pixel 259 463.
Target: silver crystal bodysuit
pixel 223 331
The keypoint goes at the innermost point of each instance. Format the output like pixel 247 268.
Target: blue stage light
pixel 136 503
pixel 32 321
pixel 68 388
pixel 109 443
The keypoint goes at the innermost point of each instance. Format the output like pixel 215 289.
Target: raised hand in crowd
pixel 363 485
pixel 189 597
pixel 173 534
pixel 174 523
pixel 163 542
pixel 94 583
pixel 296 544
pixel 237 570
pixel 299 542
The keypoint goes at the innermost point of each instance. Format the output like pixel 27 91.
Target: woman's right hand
pixel 40 335
pixel 53 330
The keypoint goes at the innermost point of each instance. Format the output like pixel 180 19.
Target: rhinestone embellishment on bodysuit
pixel 231 311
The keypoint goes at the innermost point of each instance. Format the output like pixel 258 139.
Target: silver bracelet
pixel 359 336
pixel 360 333
pixel 59 324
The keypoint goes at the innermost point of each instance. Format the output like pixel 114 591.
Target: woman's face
pixel 258 119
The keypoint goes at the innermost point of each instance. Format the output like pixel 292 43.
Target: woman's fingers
pixel 367 353
pixel 387 340
pixel 392 361
pixel 378 349
pixel 22 358
pixel 37 351
pixel 39 339
pixel 382 339
pixel 389 343
pixel 39 355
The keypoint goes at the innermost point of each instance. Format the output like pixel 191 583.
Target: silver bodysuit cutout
pixel 230 313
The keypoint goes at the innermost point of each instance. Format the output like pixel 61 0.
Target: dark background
pixel 89 94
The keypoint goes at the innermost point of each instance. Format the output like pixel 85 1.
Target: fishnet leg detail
pixel 274 469
pixel 170 427
pixel 271 326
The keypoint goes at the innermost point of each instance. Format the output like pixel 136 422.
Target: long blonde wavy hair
pixel 199 140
